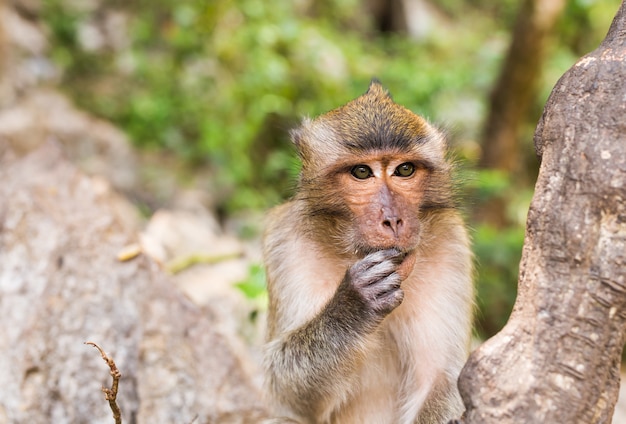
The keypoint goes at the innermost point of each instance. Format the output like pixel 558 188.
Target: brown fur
pixel 346 342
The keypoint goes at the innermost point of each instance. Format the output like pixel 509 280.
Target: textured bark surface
pixel 61 285
pixel 558 358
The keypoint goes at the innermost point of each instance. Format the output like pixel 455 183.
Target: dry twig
pixel 111 394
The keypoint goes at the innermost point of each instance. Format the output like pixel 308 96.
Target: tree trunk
pixel 557 360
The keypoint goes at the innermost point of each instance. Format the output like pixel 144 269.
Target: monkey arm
pixel 311 368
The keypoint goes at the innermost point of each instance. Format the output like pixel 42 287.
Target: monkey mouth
pixel 360 245
pixel 365 250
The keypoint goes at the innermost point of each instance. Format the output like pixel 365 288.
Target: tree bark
pixel 557 360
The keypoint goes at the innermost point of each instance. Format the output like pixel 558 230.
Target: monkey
pixel 369 272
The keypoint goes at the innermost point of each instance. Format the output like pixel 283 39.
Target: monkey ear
pixel 296 136
pixel 314 141
pixel 299 139
pixel 299 134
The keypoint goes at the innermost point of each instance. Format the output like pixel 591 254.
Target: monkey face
pixel 383 194
pixel 371 170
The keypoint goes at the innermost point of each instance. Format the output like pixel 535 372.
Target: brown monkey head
pixel 371 170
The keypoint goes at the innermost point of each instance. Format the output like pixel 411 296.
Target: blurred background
pixel 206 91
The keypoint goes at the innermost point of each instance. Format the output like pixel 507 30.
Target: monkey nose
pixel 392 223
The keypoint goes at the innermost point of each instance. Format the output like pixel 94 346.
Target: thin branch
pixel 111 394
pixel 181 263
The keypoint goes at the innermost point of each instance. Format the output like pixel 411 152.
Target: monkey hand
pixel 373 283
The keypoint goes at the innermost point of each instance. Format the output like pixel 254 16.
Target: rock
pixel 173 235
pixel 61 284
pixel 24 63
pixel 206 264
pixel 96 146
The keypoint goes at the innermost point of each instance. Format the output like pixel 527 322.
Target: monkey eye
pixel 405 170
pixel 361 172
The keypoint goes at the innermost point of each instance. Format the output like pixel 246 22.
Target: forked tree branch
pixel 111 394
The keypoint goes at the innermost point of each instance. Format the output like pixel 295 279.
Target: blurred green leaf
pixel 254 287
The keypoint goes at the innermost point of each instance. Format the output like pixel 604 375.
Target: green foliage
pixel 498 253
pixel 498 249
pixel 220 83
pixel 584 24
pixel 488 183
pixel 254 286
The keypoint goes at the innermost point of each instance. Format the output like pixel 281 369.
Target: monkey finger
pixel 381 256
pixel 379 271
pixel 372 260
pixel 390 300
pixel 384 285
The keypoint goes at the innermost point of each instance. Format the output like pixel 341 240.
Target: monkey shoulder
pixel 281 232
pixel 301 275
